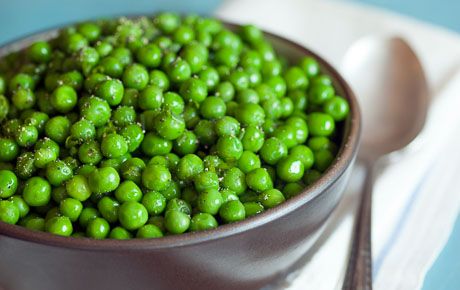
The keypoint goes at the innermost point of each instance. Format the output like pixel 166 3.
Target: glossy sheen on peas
pixel 150 127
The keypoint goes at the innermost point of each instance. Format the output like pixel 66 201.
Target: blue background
pixel 22 17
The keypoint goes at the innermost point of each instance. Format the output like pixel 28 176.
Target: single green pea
pixel 235 180
pixel 135 76
pixel 239 79
pixel 71 208
pixel 59 225
pixel 251 34
pixel 290 169
pixel 25 167
pixel 232 211
pixel 8 183
pixel 337 107
pixel 259 180
pixel 111 90
pixel 186 143
pixel 320 124
pixel 108 207
pixel 159 79
pixel 149 231
pixel 209 201
pixel 296 79
pixel 40 52
pixel 113 146
pixel 151 98
pixel 154 202
pixel 248 161
pixel 194 90
pixel 90 153
pixel 205 132
pixel 153 145
pixel 103 180
pixel 27 136
pixel 58 172
pixel 110 66
pixel 64 98
pixel 304 154
pixel 9 212
pixel 168 125
pixel 229 148
pixel 149 55
pixel 98 228
pixel 128 190
pixel 176 222
pixel 174 103
pixel 253 208
pixel 131 169
pixel 119 233
pixel 253 138
pixel 213 108
pixel 167 22
pixel 225 91
pixel 78 188
pixel 250 114
pixel 287 135
pixel 271 198
pixel 202 221
pixel 320 93
pixel 206 180
pixel 310 66
pixel 210 77
pixel 132 215
pixel 23 99
pixel 37 191
pixel 227 126
pixel 247 96
pixel 273 150
pixel 179 71
pixel 156 177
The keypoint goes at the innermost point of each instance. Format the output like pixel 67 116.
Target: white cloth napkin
pixel 416 200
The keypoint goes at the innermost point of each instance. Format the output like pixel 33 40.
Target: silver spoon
pixel 389 81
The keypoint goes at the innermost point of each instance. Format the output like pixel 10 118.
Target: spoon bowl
pixel 389 81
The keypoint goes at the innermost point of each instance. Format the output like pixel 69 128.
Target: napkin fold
pixel 415 201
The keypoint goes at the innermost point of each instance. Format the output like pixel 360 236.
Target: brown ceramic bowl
pixel 249 254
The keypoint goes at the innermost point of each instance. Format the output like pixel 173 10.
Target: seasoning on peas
pixel 118 130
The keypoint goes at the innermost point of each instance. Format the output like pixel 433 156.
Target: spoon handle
pixel 359 269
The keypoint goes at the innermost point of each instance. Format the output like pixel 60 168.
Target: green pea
pixel 98 228
pixel 202 221
pixel 8 183
pixel 149 231
pixel 253 208
pixel 320 124
pixel 9 212
pixel 132 215
pixel 273 150
pixel 119 233
pixel 271 198
pixel 108 207
pixel 156 177
pixel 103 180
pixel 209 201
pixel 37 191
pixel 71 208
pixel 235 180
pixel 259 180
pixel 176 222
pixel 232 211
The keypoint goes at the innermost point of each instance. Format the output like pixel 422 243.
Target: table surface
pixel 40 15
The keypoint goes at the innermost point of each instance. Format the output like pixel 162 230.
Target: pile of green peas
pixel 155 126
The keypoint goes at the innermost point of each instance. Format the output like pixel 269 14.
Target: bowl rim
pixel 344 158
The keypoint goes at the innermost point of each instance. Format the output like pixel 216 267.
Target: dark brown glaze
pixel 245 255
